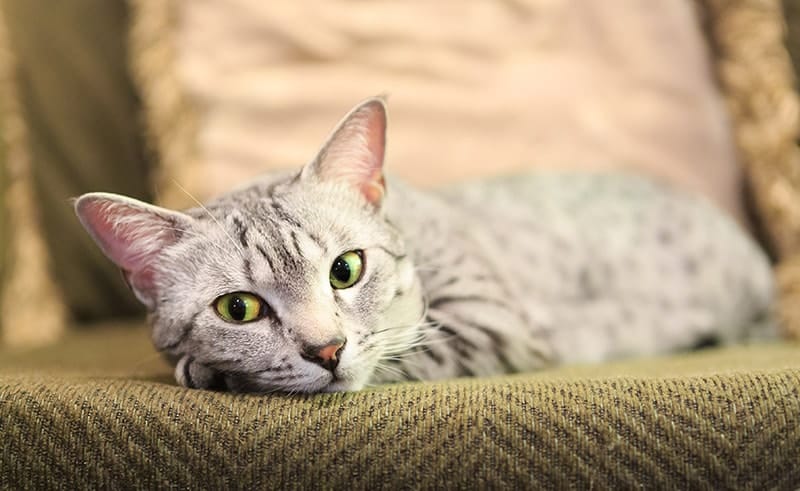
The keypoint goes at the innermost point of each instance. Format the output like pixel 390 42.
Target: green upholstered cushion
pixel 101 409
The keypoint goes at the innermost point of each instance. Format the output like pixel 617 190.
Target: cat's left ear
pixel 134 235
pixel 354 152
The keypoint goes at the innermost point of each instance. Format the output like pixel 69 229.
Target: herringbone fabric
pixel 716 420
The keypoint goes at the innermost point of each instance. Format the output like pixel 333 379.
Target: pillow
pixel 475 88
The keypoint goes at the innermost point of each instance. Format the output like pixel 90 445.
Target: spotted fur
pixel 501 275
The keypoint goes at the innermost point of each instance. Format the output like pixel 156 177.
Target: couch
pixel 90 404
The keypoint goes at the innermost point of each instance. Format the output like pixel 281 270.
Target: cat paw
pixel 194 375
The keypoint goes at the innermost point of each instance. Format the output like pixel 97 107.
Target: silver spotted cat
pixel 333 279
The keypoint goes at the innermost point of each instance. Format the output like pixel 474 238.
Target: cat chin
pixel 325 384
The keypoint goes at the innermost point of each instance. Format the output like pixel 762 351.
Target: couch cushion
pixel 102 408
pixel 477 88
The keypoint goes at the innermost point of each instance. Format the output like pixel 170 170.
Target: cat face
pixel 296 282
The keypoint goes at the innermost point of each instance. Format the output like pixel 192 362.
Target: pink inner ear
pixel 356 150
pixel 130 235
pixel 121 231
pixel 374 190
pixel 375 126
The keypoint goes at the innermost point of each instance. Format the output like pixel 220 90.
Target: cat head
pixel 296 282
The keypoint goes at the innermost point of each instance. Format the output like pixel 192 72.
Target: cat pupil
pixel 341 270
pixel 237 308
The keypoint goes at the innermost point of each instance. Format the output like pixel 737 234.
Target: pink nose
pixel 330 351
pixel 327 355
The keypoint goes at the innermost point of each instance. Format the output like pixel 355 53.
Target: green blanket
pixel 101 410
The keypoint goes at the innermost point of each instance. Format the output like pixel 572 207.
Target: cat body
pixel 552 268
pixel 332 279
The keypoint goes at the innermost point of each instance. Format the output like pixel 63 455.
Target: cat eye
pixel 240 307
pixel 346 269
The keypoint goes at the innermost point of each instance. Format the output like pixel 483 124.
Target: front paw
pixel 194 375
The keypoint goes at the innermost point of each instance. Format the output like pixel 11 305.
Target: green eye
pixel 240 307
pixel 346 269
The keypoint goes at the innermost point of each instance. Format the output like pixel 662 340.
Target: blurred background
pixel 147 97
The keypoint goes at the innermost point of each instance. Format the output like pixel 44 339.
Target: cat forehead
pixel 281 238
pixel 292 201
pixel 268 214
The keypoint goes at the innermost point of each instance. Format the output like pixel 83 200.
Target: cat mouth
pixel 339 382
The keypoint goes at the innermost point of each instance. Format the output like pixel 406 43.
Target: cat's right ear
pixel 133 234
pixel 353 154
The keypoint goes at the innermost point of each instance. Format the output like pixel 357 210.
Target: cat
pixel 332 278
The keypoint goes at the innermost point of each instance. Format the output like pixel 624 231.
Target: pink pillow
pixel 476 88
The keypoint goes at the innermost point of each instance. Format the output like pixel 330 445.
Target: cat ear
pixel 132 234
pixel 354 152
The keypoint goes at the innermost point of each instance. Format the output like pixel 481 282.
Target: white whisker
pixel 201 205
pixel 191 233
pixel 382 368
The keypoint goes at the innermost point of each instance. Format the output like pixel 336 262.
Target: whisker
pixel 201 205
pixel 396 350
pixel 382 368
pixel 185 231
pixel 192 233
pixel 402 327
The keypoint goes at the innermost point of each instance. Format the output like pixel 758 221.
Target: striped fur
pixel 502 275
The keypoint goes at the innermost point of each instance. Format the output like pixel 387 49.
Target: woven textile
pixel 717 419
